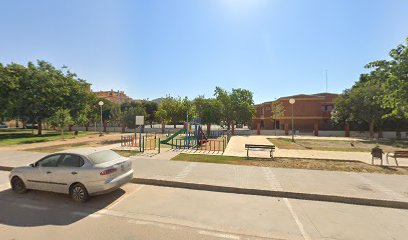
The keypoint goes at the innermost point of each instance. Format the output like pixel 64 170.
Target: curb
pixel 272 193
pixel 8 169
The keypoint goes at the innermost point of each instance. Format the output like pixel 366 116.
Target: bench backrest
pixel 401 153
pixel 259 146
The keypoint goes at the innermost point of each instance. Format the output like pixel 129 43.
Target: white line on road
pixel 162 225
pixel 220 235
pixel 275 185
pixel 4 186
pixel 85 214
pixel 124 197
pixel 183 174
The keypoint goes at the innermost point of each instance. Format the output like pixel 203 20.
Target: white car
pixel 80 173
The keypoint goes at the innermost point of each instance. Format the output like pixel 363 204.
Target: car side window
pixel 50 161
pixel 70 160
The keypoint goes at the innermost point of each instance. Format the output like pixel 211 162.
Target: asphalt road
pixel 149 212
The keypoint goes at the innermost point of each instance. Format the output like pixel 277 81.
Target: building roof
pixel 317 95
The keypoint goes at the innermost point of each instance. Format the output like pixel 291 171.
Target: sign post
pixel 140 122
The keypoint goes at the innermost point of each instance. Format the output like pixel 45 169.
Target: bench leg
pixel 247 153
pixel 396 162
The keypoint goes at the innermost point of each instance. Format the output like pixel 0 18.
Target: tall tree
pixel 61 119
pixel 151 109
pixel 277 111
pixel 209 110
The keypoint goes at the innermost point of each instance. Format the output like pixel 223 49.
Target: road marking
pixel 124 197
pixel 220 235
pixel 4 186
pixel 183 174
pixel 162 225
pixel 275 185
pixel 32 207
pixel 85 214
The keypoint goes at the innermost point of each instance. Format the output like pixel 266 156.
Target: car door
pixel 39 178
pixel 66 172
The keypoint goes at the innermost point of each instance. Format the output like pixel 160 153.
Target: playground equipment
pixel 141 142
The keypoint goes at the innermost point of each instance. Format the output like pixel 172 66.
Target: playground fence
pixel 211 145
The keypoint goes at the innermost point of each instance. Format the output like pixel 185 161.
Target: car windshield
pixel 103 156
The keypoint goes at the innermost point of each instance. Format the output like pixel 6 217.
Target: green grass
pixel 329 165
pixel 25 136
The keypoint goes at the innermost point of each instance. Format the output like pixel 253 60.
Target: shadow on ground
pixel 37 208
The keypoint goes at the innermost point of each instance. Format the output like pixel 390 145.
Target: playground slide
pixel 173 136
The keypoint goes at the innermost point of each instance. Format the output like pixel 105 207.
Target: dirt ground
pixel 329 165
pixel 340 145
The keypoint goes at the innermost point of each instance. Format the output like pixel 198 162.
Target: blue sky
pixel 152 48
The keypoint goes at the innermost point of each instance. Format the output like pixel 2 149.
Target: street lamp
pixel 100 103
pixel 292 101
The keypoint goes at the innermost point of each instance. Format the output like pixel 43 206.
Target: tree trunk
pixel 87 127
pixel 39 133
pixel 17 122
pixel 163 127
pixel 208 129
pixel 174 125
pixel 274 127
pixel 62 131
pixel 347 130
pixel 398 134
pixel 233 129
pixel 380 133
pixel 151 124
pixel 70 128
pixel 371 129
pixel 104 126
pixel 123 128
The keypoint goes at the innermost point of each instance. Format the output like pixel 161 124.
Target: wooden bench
pixel 270 148
pixel 397 154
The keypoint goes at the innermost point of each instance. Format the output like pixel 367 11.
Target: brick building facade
pixel 311 112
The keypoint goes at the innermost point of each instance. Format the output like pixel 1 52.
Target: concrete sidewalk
pixel 326 183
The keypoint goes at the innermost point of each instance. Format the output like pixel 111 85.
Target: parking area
pixel 150 212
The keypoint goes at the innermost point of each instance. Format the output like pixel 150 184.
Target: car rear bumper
pixel 112 184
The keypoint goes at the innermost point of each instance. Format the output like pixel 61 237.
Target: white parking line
pixel 275 185
pixel 4 186
pixel 124 197
pixel 220 235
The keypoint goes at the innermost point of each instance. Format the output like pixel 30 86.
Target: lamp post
pixel 100 103
pixel 292 101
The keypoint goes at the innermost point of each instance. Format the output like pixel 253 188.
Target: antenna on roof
pixel 327 85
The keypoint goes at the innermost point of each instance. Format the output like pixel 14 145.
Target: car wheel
pixel 18 185
pixel 79 193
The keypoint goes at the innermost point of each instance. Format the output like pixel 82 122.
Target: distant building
pixel 309 112
pixel 117 97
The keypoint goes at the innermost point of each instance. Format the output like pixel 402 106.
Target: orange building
pixel 117 97
pixel 310 112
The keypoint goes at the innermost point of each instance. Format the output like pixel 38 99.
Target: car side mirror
pixel 32 165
